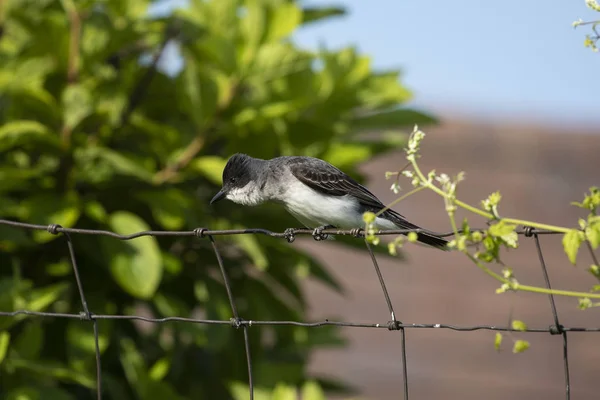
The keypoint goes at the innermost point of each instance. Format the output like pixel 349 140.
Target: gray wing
pixel 325 178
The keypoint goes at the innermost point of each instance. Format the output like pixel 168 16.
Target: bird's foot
pixel 318 232
pixel 290 234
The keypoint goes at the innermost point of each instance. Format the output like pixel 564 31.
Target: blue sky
pixel 510 59
pixel 502 60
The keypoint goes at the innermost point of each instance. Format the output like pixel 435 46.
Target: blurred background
pixel 120 116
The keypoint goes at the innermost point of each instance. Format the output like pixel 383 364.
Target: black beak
pixel 219 196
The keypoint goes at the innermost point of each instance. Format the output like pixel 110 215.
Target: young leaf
pixel 520 346
pixel 501 229
pixel 592 234
pixel 497 340
pixel 571 242
pixel 519 325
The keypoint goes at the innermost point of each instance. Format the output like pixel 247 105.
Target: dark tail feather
pixel 423 237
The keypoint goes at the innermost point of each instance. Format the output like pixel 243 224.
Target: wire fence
pixel 237 322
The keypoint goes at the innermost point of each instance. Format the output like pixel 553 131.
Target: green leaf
pixel 136 264
pixel 211 167
pixel 95 211
pixel 160 369
pixel 40 299
pixel 253 29
pixel 24 132
pixel 56 371
pixel 315 14
pixel 383 90
pixel 501 229
pixel 497 340
pixel 285 18
pixel 47 393
pixel 251 246
pixel 519 325
pixel 77 105
pixel 571 242
pixel 344 155
pixel 592 234
pixel 239 391
pixel 29 343
pixel 12 237
pixel 159 390
pixel 4 341
pixel 283 392
pixel 81 337
pixel 391 119
pixel 98 164
pixel 520 346
pixel 170 306
pixel 312 391
pixel 46 209
pixel 280 59
pixel 169 207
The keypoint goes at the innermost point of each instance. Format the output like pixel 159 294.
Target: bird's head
pixel 239 184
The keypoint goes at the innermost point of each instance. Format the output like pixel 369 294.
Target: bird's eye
pixel 232 179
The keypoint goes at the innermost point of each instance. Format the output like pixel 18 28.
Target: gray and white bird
pixel 315 192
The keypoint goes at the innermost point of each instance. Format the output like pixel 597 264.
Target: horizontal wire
pixel 202 232
pixel 241 322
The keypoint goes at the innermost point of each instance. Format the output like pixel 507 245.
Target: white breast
pixel 314 209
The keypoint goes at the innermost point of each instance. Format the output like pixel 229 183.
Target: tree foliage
pixel 94 135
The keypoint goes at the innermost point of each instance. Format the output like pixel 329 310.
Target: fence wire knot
pixel 199 232
pixel 528 232
pixel 290 235
pixel 236 322
pixel 556 329
pixel 85 316
pixel 394 325
pixel 356 232
pixel 53 229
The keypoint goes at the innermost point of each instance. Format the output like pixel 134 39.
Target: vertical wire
pixel 393 322
pixel 236 322
pixel 559 328
pixel 88 315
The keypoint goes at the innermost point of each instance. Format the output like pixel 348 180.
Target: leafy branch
pixel 502 232
pixel 590 40
pixel 487 244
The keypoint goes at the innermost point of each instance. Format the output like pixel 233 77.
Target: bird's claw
pixel 290 235
pixel 318 233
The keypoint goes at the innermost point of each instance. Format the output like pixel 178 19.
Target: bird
pixel 316 193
